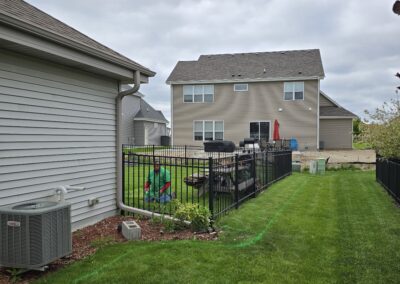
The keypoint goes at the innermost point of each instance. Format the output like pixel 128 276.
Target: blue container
pixel 293 144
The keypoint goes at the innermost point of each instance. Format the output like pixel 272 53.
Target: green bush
pixel 383 133
pixel 199 216
pixel 169 225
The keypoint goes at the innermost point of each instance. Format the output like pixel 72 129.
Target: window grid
pixel 198 93
pixel 293 91
pixel 202 130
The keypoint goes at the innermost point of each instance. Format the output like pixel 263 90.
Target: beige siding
pixel 323 101
pixel 336 133
pixel 237 109
pixel 57 127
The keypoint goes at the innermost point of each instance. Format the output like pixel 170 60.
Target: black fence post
pixel 210 187
pixel 254 174
pixel 185 155
pixel 236 181
pixel 153 151
pixel 123 178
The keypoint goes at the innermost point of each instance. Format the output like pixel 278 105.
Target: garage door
pixel 336 133
pixel 57 127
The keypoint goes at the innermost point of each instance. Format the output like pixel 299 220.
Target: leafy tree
pixel 383 131
pixel 356 127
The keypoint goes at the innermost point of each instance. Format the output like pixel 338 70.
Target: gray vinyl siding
pixel 57 127
pixel 154 133
pixel 323 101
pixel 336 133
pixel 139 132
pixel 130 107
pixel 262 101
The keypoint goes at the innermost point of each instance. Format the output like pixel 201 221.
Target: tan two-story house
pixel 234 96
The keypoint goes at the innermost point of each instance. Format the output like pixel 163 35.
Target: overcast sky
pixel 359 40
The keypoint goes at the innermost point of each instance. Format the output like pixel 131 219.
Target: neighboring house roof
pixel 24 16
pixel 257 66
pixel 334 111
pixel 148 113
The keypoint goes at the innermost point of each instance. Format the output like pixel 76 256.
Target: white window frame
pixel 245 84
pixel 293 91
pixel 258 121
pixel 202 94
pixel 203 133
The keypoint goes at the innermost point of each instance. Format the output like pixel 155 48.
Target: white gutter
pixel 120 188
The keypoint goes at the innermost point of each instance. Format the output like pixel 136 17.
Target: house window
pixel 293 91
pixel 198 130
pixel 208 130
pixel 240 87
pixel 198 93
pixel 188 94
pixel 260 130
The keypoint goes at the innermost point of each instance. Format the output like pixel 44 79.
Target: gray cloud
pixel 359 41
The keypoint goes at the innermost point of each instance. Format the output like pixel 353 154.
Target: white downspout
pixel 120 202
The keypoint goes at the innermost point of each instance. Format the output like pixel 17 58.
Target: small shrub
pixel 15 274
pixel 155 221
pixel 169 225
pixel 199 216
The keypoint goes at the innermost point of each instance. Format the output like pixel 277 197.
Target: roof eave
pixel 150 119
pixel 338 117
pixel 220 81
pixel 33 29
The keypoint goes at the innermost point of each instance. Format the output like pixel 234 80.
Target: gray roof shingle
pixel 257 65
pixel 335 111
pixel 148 112
pixel 21 11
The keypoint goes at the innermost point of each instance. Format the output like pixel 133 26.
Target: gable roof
pixel 147 112
pixel 22 15
pixel 334 111
pixel 329 98
pixel 326 111
pixel 257 66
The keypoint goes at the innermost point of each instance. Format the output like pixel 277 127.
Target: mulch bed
pixel 88 240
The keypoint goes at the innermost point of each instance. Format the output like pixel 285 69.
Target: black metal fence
pixel 218 181
pixel 388 175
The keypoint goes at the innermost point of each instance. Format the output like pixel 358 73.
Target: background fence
pixel 388 175
pixel 218 181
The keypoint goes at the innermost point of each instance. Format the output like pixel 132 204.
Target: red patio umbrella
pixel 276 130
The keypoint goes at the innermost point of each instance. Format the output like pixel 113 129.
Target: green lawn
pixel 337 228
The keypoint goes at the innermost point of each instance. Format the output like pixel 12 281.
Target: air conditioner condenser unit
pixel 33 234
